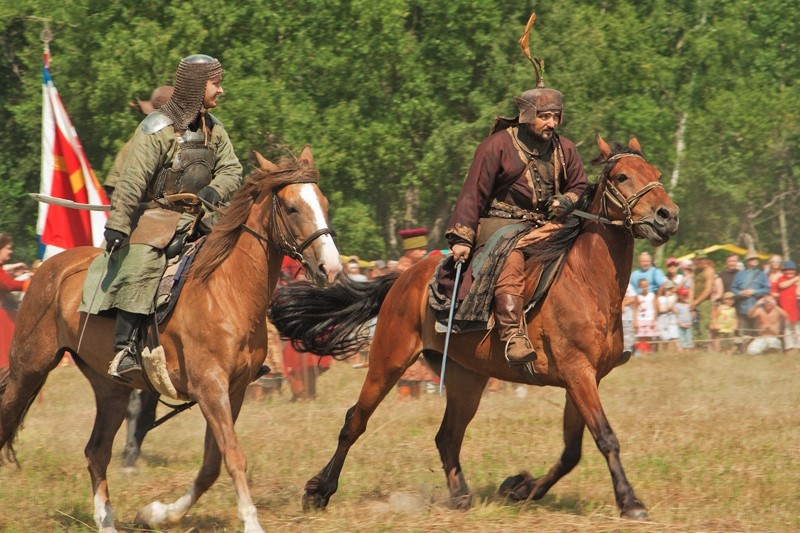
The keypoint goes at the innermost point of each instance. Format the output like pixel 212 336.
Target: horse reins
pixel 612 194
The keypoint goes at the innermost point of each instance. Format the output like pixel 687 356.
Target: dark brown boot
pixel 508 313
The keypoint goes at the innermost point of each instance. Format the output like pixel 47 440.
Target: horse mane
pixel 225 233
pixel 550 249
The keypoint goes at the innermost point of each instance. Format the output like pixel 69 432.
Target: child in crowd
pixel 683 313
pixel 628 316
pixel 726 321
pixel 645 318
pixel 667 321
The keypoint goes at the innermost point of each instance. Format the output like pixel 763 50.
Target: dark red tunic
pixel 499 166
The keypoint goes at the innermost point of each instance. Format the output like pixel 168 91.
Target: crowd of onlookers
pixel 744 307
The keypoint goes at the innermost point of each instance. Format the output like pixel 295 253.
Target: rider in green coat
pixel 181 148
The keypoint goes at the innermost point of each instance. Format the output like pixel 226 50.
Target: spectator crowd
pixel 744 307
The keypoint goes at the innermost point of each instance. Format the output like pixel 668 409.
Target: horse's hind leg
pixel 33 356
pixel 524 486
pixel 388 359
pixel 140 416
pixel 464 391
pixel 111 400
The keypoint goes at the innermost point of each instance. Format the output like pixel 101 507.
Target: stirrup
pixel 523 360
pixel 125 362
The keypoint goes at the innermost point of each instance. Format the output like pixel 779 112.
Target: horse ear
pixel 306 155
pixel 605 149
pixel 264 163
pixel 634 143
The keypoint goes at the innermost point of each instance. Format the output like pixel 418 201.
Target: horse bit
pixel 612 194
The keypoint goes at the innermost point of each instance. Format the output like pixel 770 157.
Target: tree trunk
pixel 680 146
pixel 784 232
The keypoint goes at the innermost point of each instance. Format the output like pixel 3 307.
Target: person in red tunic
pixel 7 284
pixel 524 172
pixel 787 300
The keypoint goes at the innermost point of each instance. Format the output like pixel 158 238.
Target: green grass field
pixel 710 443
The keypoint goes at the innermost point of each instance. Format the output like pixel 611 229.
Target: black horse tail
pixel 329 320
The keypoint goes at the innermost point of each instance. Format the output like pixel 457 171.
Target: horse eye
pixel 291 210
pixel 621 178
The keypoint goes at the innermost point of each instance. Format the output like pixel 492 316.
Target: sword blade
pixel 52 200
pixel 453 301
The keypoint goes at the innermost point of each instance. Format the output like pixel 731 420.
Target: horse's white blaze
pixel 330 254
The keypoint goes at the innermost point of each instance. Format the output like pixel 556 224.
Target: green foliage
pixel 395 96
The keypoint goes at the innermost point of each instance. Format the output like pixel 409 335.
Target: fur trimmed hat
pixel 414 238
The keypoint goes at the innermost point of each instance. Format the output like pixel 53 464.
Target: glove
pixel 210 195
pixel 113 237
pixel 565 203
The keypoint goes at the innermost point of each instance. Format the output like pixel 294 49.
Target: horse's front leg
pixel 524 486
pixel 388 360
pixel 221 443
pixel 464 391
pixel 582 388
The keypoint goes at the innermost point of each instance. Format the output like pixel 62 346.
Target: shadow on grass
pixel 156 460
pixel 571 503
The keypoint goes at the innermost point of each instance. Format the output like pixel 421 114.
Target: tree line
pixel 395 96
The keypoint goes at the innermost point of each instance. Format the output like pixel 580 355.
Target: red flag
pixel 66 174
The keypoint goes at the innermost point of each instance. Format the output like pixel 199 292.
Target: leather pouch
pixel 156 228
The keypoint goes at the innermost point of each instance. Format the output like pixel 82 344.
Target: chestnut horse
pixel 576 329
pixel 214 339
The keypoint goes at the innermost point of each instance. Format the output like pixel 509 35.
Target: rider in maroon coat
pixel 523 171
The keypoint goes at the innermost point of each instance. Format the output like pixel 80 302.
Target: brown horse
pixel 576 330
pixel 214 339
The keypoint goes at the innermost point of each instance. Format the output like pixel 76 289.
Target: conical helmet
pixel 540 98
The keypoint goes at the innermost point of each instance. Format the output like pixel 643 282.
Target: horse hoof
pixel 460 503
pixel 639 513
pixel 517 488
pixel 314 502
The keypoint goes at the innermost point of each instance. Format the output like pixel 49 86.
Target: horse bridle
pixel 287 245
pixel 287 242
pixel 613 195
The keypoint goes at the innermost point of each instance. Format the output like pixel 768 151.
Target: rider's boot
pixel 508 313
pixel 125 348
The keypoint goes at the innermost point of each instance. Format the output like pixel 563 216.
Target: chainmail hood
pixel 190 87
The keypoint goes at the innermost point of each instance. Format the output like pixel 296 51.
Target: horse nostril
pixel 664 214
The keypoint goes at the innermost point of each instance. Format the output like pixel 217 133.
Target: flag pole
pixel 46 36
